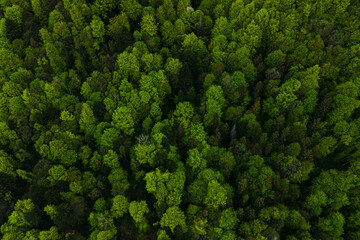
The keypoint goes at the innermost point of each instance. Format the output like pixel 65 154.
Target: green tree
pixel 167 187
pixel 254 228
pixel 258 177
pixel 118 179
pixel 214 104
pixel 138 210
pixel 9 61
pixel 335 185
pixel 52 233
pixel 132 8
pixel 57 62
pixel 332 225
pixel 228 219
pixel 325 146
pixel 167 32
pixel 196 161
pixel 105 6
pixel 128 64
pixel 216 195
pixel 98 31
pixel 111 159
pixel 172 218
pixel 87 119
pixel 7 165
pixel 287 95
pixel 54 16
pixel 120 206
pixel 145 153
pixel 22 207
pixel 123 120
pixel 148 26
pixel 100 205
pixel 40 10
pixel 118 25
pixel 14 13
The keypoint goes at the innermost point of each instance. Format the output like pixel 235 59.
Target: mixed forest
pixel 179 119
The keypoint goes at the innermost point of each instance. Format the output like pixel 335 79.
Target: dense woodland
pixel 179 119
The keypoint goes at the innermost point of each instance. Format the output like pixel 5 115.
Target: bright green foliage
pixel 221 27
pixel 148 26
pixel 55 173
pixel 310 101
pixel 123 120
pixel 39 10
pixel 57 149
pixel 14 13
pixel 309 78
pixel 216 195
pixel 195 160
pixel 287 95
pixel 161 234
pixel 251 36
pixel 61 30
pixel 279 212
pixel 166 12
pixel 128 64
pixel 172 218
pixel 22 209
pixel 198 189
pixel 228 219
pixel 104 225
pixel 120 206
pixel 3 28
pixel 335 185
pixel 98 31
pixel 156 85
pixel 167 187
pixel 54 16
pixel 87 118
pixel 173 66
pixel 199 226
pixel 151 62
pixel 6 164
pixel 184 112
pixel 111 159
pixel 215 101
pixel 145 153
pixel 106 235
pixel 138 210
pixel 9 61
pixel 167 32
pixel 344 106
pixel 108 137
pixel 52 233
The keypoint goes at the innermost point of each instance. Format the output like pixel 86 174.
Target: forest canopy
pixel 180 119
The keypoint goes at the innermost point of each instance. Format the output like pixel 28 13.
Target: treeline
pixel 179 119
